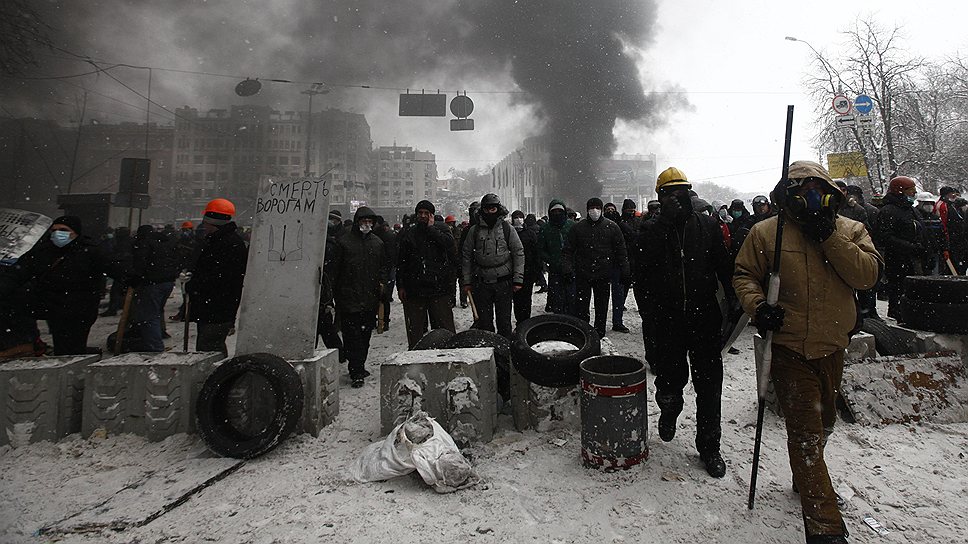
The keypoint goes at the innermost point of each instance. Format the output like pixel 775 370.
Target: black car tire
pixel 934 316
pixel 886 340
pixel 434 339
pixel 476 338
pixel 940 289
pixel 211 409
pixel 553 370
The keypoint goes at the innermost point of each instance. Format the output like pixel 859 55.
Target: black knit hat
pixel 425 205
pixel 629 204
pixel 945 191
pixel 594 202
pixel 517 213
pixel 335 214
pixel 72 221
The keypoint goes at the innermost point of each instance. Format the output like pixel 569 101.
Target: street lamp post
pixel 316 88
pixel 823 62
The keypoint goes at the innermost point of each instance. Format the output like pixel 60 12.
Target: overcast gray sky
pixel 727 65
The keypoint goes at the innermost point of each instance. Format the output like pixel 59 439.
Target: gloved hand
pixel 819 226
pixel 184 277
pixel 769 317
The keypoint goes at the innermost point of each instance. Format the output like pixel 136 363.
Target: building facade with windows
pixel 224 153
pixel 403 176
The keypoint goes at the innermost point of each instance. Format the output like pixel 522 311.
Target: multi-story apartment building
pixel 224 153
pixel 38 161
pixel 403 177
pixel 525 179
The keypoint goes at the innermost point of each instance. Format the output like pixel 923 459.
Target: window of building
pixel 295 160
pixel 197 176
pixel 199 159
pixel 209 176
pixel 283 160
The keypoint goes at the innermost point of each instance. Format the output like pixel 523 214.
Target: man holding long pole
pixel 824 259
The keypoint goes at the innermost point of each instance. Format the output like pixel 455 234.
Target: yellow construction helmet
pixel 671 177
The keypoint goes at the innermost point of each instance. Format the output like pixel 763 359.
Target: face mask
pixel 518 221
pixel 60 238
pixel 489 218
pixel 736 214
pixel 109 236
pixel 594 214
pixel 557 217
pixel 365 228
pixel 685 202
pixel 910 199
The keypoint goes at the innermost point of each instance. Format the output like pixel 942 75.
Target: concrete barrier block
pixel 148 394
pixel 320 377
pixel 41 398
pixel 457 387
pixel 861 347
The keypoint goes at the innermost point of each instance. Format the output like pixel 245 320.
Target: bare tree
pixel 873 63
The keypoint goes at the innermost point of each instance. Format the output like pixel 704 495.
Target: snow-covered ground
pixel 912 478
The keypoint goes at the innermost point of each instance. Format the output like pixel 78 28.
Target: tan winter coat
pixel 817 282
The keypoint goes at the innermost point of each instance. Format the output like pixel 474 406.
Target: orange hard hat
pixel 450 219
pixel 188 225
pixel 221 206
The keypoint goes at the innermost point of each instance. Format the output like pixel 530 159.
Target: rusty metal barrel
pixel 614 412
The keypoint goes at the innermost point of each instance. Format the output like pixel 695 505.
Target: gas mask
pixel 594 214
pixel 60 238
pixel 813 202
pixel 927 207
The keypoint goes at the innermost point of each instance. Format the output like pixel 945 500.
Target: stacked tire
pixel 553 369
pixel 935 303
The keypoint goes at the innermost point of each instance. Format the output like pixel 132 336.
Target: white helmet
pixel 925 196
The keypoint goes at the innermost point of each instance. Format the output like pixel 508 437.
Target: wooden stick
pixel 951 266
pixel 470 300
pixel 123 322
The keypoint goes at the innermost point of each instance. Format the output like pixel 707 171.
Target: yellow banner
pixel 846 165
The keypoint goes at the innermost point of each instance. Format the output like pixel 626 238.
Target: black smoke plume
pixel 575 60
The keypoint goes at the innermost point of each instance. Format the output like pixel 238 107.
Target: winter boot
pixel 670 406
pixel 715 465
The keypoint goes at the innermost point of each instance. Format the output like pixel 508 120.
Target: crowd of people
pixel 673 257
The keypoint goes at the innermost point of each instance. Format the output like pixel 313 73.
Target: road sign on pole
pixel 863 104
pixel 845 121
pixel 841 104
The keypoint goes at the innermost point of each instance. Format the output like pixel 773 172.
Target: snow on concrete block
pixel 543 408
pixel 320 377
pixel 907 388
pixel 41 398
pixel 147 394
pixel 457 387
pixel 861 346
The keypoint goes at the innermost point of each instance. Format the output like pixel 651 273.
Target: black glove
pixel 818 226
pixel 769 317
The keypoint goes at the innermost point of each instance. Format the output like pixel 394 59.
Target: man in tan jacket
pixel 824 259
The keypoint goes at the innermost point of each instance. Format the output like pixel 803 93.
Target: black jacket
pixel 359 267
pixel 427 261
pixel 677 271
pixel 156 259
pixel 592 249
pixel 215 289
pixel 532 260
pixel 630 231
pixel 900 235
pixel 57 282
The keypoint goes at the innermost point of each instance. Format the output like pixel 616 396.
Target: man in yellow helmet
pixel 680 256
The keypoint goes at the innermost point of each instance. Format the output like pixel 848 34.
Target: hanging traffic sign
pixel 863 104
pixel 841 104
pixel 846 121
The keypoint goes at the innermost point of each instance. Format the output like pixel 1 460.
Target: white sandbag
pixel 420 444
